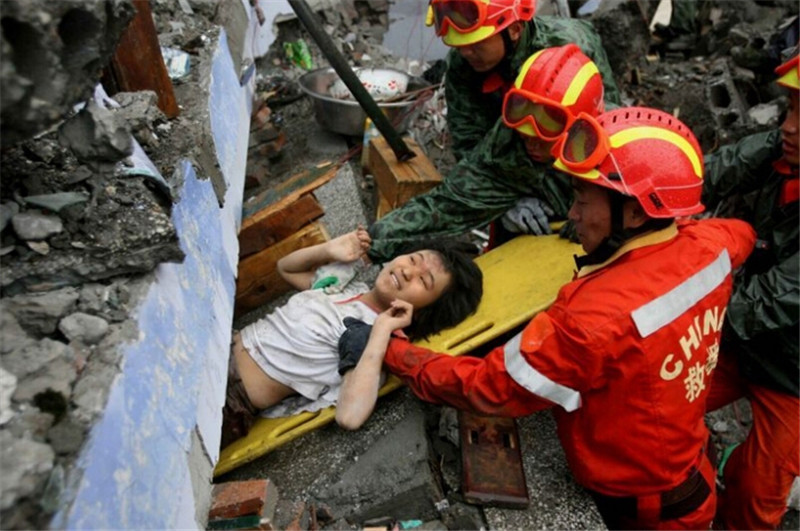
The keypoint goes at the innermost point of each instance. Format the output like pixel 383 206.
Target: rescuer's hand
pixel 528 216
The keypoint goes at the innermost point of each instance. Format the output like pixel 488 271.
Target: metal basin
pixel 345 116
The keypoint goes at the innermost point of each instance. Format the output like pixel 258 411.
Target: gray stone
pixel 93 297
pixel 91 391
pixel 36 226
pixel 66 437
pixel 53 54
pixel 12 334
pixel 765 114
pixel 47 365
pixel 41 312
pixel 7 211
pixel 51 497
pixel 34 356
pixel 393 478
pixel 96 135
pixel 83 327
pixel 8 384
pixel 625 39
pixel 341 195
pixel 26 465
pixel 31 423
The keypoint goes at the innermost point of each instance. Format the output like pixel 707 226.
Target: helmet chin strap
pixel 619 234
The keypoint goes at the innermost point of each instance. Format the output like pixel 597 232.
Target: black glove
pixel 568 232
pixel 352 343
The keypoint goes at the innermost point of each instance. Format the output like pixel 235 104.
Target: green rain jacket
pixel 762 318
pixel 478 190
pixel 471 113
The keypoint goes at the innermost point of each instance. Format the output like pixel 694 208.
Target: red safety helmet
pixel 465 22
pixel 788 73
pixel 554 85
pixel 640 152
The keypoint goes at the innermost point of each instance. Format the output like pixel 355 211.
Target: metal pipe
pixel 339 63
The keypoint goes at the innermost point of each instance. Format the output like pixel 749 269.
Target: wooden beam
pixel 137 63
pixel 258 281
pixel 278 224
pixel 278 197
pixel 400 181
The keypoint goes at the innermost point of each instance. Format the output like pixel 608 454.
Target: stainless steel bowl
pixel 346 116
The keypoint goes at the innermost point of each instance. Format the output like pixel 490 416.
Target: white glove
pixel 528 216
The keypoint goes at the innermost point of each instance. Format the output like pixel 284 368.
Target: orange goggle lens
pixel 548 118
pixel 584 146
pixel 462 15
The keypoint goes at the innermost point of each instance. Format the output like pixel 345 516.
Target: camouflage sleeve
pixel 467 120
pixel 478 190
pixel 736 169
pixel 468 198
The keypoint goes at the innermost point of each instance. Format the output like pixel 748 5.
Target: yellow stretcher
pixel 520 279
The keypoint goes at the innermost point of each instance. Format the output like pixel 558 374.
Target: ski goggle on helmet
pixel 465 22
pixel 554 86
pixel 788 73
pixel 640 152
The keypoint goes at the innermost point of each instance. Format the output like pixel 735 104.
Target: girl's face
pixel 418 278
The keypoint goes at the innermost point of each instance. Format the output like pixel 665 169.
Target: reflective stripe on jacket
pixel 625 352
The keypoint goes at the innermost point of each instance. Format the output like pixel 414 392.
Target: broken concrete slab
pixel 53 53
pixel 96 136
pixel 392 478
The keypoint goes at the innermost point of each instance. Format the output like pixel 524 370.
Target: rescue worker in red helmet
pixel 513 166
pixel 625 352
pixel 490 40
pixel 760 358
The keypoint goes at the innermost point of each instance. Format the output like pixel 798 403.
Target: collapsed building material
pixel 400 181
pixel 138 65
pixel 258 281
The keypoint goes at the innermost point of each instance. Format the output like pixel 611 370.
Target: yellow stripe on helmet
pixel 790 79
pixel 591 175
pixel 578 83
pixel 454 38
pixel 645 132
pixel 523 70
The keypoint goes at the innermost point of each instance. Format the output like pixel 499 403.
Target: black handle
pixel 339 63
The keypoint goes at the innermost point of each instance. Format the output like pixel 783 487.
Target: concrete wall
pixel 148 461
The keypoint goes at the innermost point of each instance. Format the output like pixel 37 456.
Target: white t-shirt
pixel 297 344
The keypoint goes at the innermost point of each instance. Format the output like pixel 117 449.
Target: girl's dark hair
pixel 462 296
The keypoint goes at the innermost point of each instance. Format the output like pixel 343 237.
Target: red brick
pixel 242 498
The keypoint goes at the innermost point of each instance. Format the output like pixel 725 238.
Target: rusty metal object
pixel 138 65
pixel 491 461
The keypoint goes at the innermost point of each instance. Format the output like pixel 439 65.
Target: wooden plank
pixel 278 225
pixel 137 63
pixel 258 281
pixel 400 181
pixel 384 207
pixel 278 197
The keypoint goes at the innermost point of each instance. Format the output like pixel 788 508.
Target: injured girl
pixel 292 352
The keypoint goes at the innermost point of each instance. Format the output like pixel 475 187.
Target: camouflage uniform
pixel 494 171
pixel 471 113
pixel 478 190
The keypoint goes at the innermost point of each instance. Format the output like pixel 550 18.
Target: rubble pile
pixel 84 221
